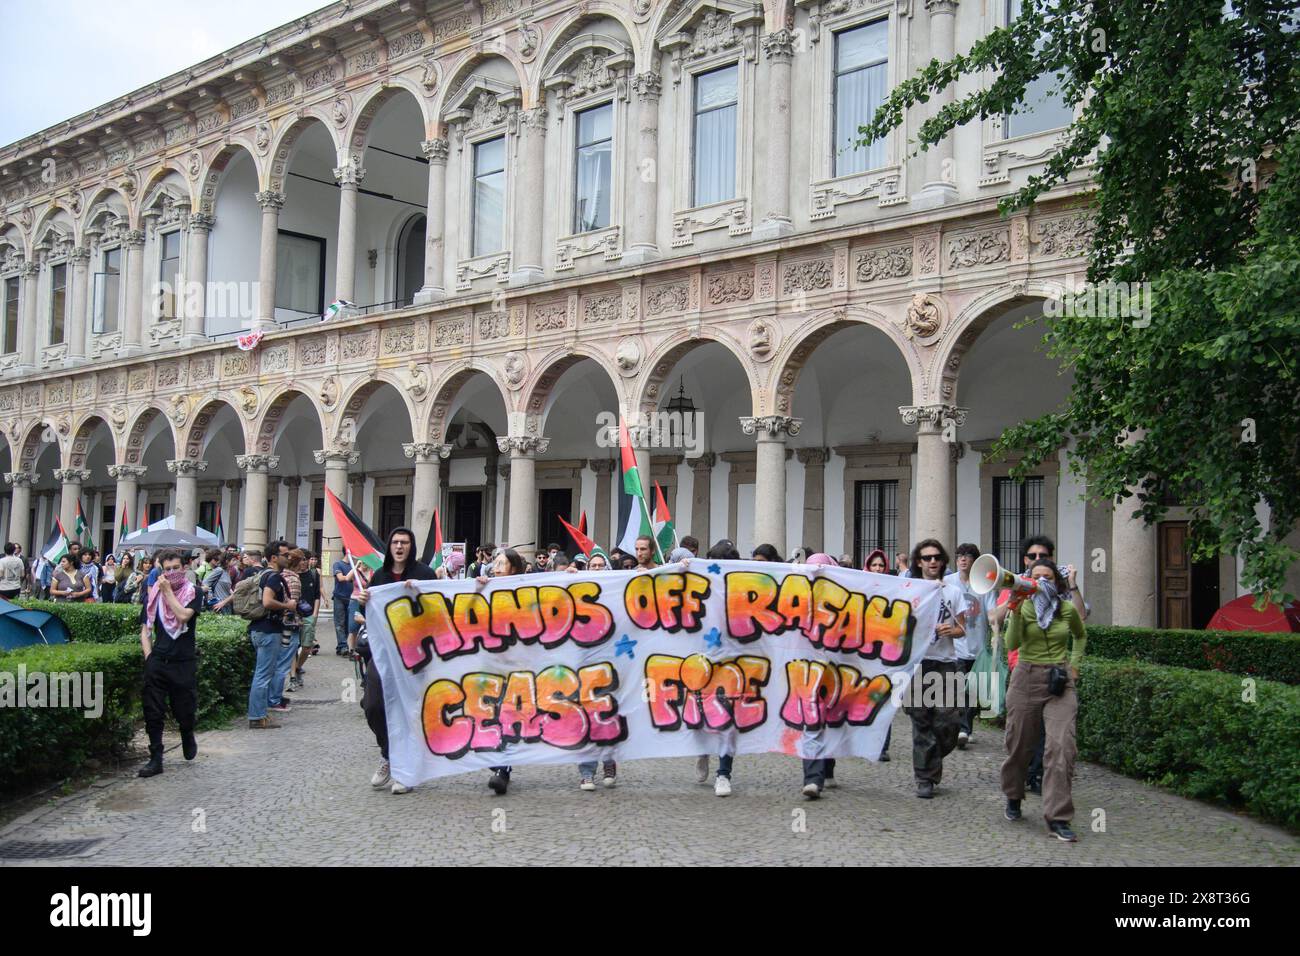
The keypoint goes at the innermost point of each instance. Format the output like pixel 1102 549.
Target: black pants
pixel 966 715
pixel 934 729
pixel 819 771
pixel 174 682
pixel 372 703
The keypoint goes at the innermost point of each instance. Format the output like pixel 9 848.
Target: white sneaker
pixel 962 739
pixel 722 787
pixel 610 782
pixel 702 769
pixel 811 791
pixel 831 784
pixel 587 784
pixel 381 777
pixel 398 788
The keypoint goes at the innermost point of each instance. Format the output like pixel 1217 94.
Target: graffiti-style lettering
pixel 703 693
pixel 826 694
pixel 670 602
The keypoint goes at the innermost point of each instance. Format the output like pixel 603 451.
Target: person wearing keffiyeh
pixel 167 619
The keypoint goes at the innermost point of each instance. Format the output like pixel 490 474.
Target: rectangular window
pixel 875 519
pixel 392 514
pixel 715 136
pixel 593 168
pixel 208 516
pixel 169 267
pixel 109 286
pixel 10 315
pixel 489 227
pixel 861 78
pixel 1043 108
pixel 157 511
pixel 1017 514
pixel 58 301
pixel 300 274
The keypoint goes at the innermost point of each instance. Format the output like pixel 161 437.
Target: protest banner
pixel 708 657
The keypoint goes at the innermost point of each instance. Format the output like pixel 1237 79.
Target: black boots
pixel 154 766
pixel 189 746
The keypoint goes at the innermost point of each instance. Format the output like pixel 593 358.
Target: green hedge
pixel 1266 656
pixel 93 623
pixel 44 743
pixel 1192 732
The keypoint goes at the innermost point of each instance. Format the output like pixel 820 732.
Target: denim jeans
pixel 588 768
pixel 287 652
pixel 340 624
pixel 724 765
pixel 267 644
pixel 354 608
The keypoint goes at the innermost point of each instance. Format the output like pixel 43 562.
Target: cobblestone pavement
pixel 301 795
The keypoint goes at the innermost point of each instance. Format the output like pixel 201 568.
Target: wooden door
pixel 1175 576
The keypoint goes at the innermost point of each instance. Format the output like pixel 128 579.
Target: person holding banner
pixel 400 564
pixel 587 769
pixel 505 563
pixel 818 774
pixel 723 550
pixel 1046 630
pixel 935 724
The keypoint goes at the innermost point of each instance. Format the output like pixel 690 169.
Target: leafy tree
pixel 1188 112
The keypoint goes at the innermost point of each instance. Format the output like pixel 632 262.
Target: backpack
pixel 247 601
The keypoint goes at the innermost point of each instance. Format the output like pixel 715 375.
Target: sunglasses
pixel 931 557
pixel 1036 555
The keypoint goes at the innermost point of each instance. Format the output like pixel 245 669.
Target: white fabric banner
pixel 709 657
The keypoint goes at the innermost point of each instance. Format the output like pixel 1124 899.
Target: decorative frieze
pixel 1065 236
pixel 235 363
pixel 358 345
pixel 979 249
pixel 666 298
pixel 551 317
pixel 889 262
pixel 275 359
pixel 311 353
pixel 398 340
pixel 493 325
pixel 813 275
pixel 599 309
pixel 450 332
pixel 730 287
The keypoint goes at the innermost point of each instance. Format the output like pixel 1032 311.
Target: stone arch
pixel 645 395
pixel 375 98
pixel 462 74
pixel 49 217
pixel 799 345
pixel 101 200
pixel 538 394
pixel 215 173
pixel 284 143
pixel 265 429
pixel 158 179
pixel 355 401
pixel 139 426
pixel 446 389
pixel 39 433
pixel 563 35
pixel 686 10
pixel 81 435
pixel 196 435
pixel 966 327
pixel 11 238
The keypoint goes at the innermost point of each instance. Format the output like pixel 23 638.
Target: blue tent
pixel 22 627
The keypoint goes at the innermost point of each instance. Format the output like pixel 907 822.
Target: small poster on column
pixel 303 532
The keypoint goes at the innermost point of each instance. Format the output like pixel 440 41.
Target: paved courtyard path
pixel 301 795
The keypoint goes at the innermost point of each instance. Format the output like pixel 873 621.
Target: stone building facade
pixel 539 213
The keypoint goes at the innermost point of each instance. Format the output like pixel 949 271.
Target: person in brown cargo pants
pixel 1047 631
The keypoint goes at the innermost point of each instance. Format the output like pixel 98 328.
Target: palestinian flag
pixel 337 308
pixel 638 519
pixel 123 529
pixel 220 527
pixel 362 543
pixel 585 544
pixel 433 544
pixel 665 533
pixel 82 526
pixel 56 545
pixel 582 523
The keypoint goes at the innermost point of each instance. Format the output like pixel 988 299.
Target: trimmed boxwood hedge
pixel 1265 656
pixel 93 623
pixel 1192 732
pixel 39 744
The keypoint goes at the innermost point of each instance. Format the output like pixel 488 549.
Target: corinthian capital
pixel 75 475
pixel 933 416
pixel 523 445
pixel 435 150
pixel 647 85
pixel 127 472
pixel 270 199
pixel 186 466
pixel 202 222
pixel 423 451
pixel 338 457
pixel 779 45
pixel 772 426
pixel 256 463
pixel 21 479
pixel 350 173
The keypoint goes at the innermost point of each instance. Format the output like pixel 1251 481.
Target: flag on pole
pixel 433 543
pixel 363 544
pixel 582 522
pixel 638 519
pixel 124 529
pixel 336 308
pixel 585 544
pixel 82 526
pixel 56 545
pixel 220 527
pixel 665 533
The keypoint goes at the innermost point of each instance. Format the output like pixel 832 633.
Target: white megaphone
pixel 986 574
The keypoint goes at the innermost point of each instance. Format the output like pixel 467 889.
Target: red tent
pixel 1240 615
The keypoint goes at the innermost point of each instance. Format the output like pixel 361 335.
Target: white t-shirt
pixel 11 572
pixel 951 604
pixel 977 618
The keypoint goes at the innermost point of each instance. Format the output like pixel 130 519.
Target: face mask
pixel 175 578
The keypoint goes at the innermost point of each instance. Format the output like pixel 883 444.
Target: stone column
pixel 271 203
pixel 530 198
pixel 128 493
pixel 604 469
pixel 1133 557
pixel 289 489
pixel 701 496
pixel 349 177
pixel 814 496
pixel 194 298
pixel 644 173
pixel 30 273
pixel 425 493
pixel 187 472
pixel 499 531
pixel 522 529
pixel 20 522
pixel 133 320
pixel 356 498
pixel 940 171
pixel 935 435
pixel 770 432
pixel 336 461
pixel 435 223
pixel 72 479
pixel 255 469
pixel 76 337
pixel 778 50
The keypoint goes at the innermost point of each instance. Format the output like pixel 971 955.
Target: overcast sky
pixel 63 58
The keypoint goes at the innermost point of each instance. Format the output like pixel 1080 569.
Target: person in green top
pixel 1049 633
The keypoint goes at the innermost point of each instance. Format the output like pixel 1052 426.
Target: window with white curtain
pixel 861 82
pixel 489 226
pixel 593 168
pixel 10 292
pixel 1042 108
pixel 58 301
pixel 169 267
pixel 300 273
pixel 107 305
pixel 715 136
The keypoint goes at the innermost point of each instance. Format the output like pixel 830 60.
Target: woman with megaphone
pixel 1049 632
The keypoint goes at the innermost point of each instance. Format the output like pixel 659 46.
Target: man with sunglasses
pixel 935 722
